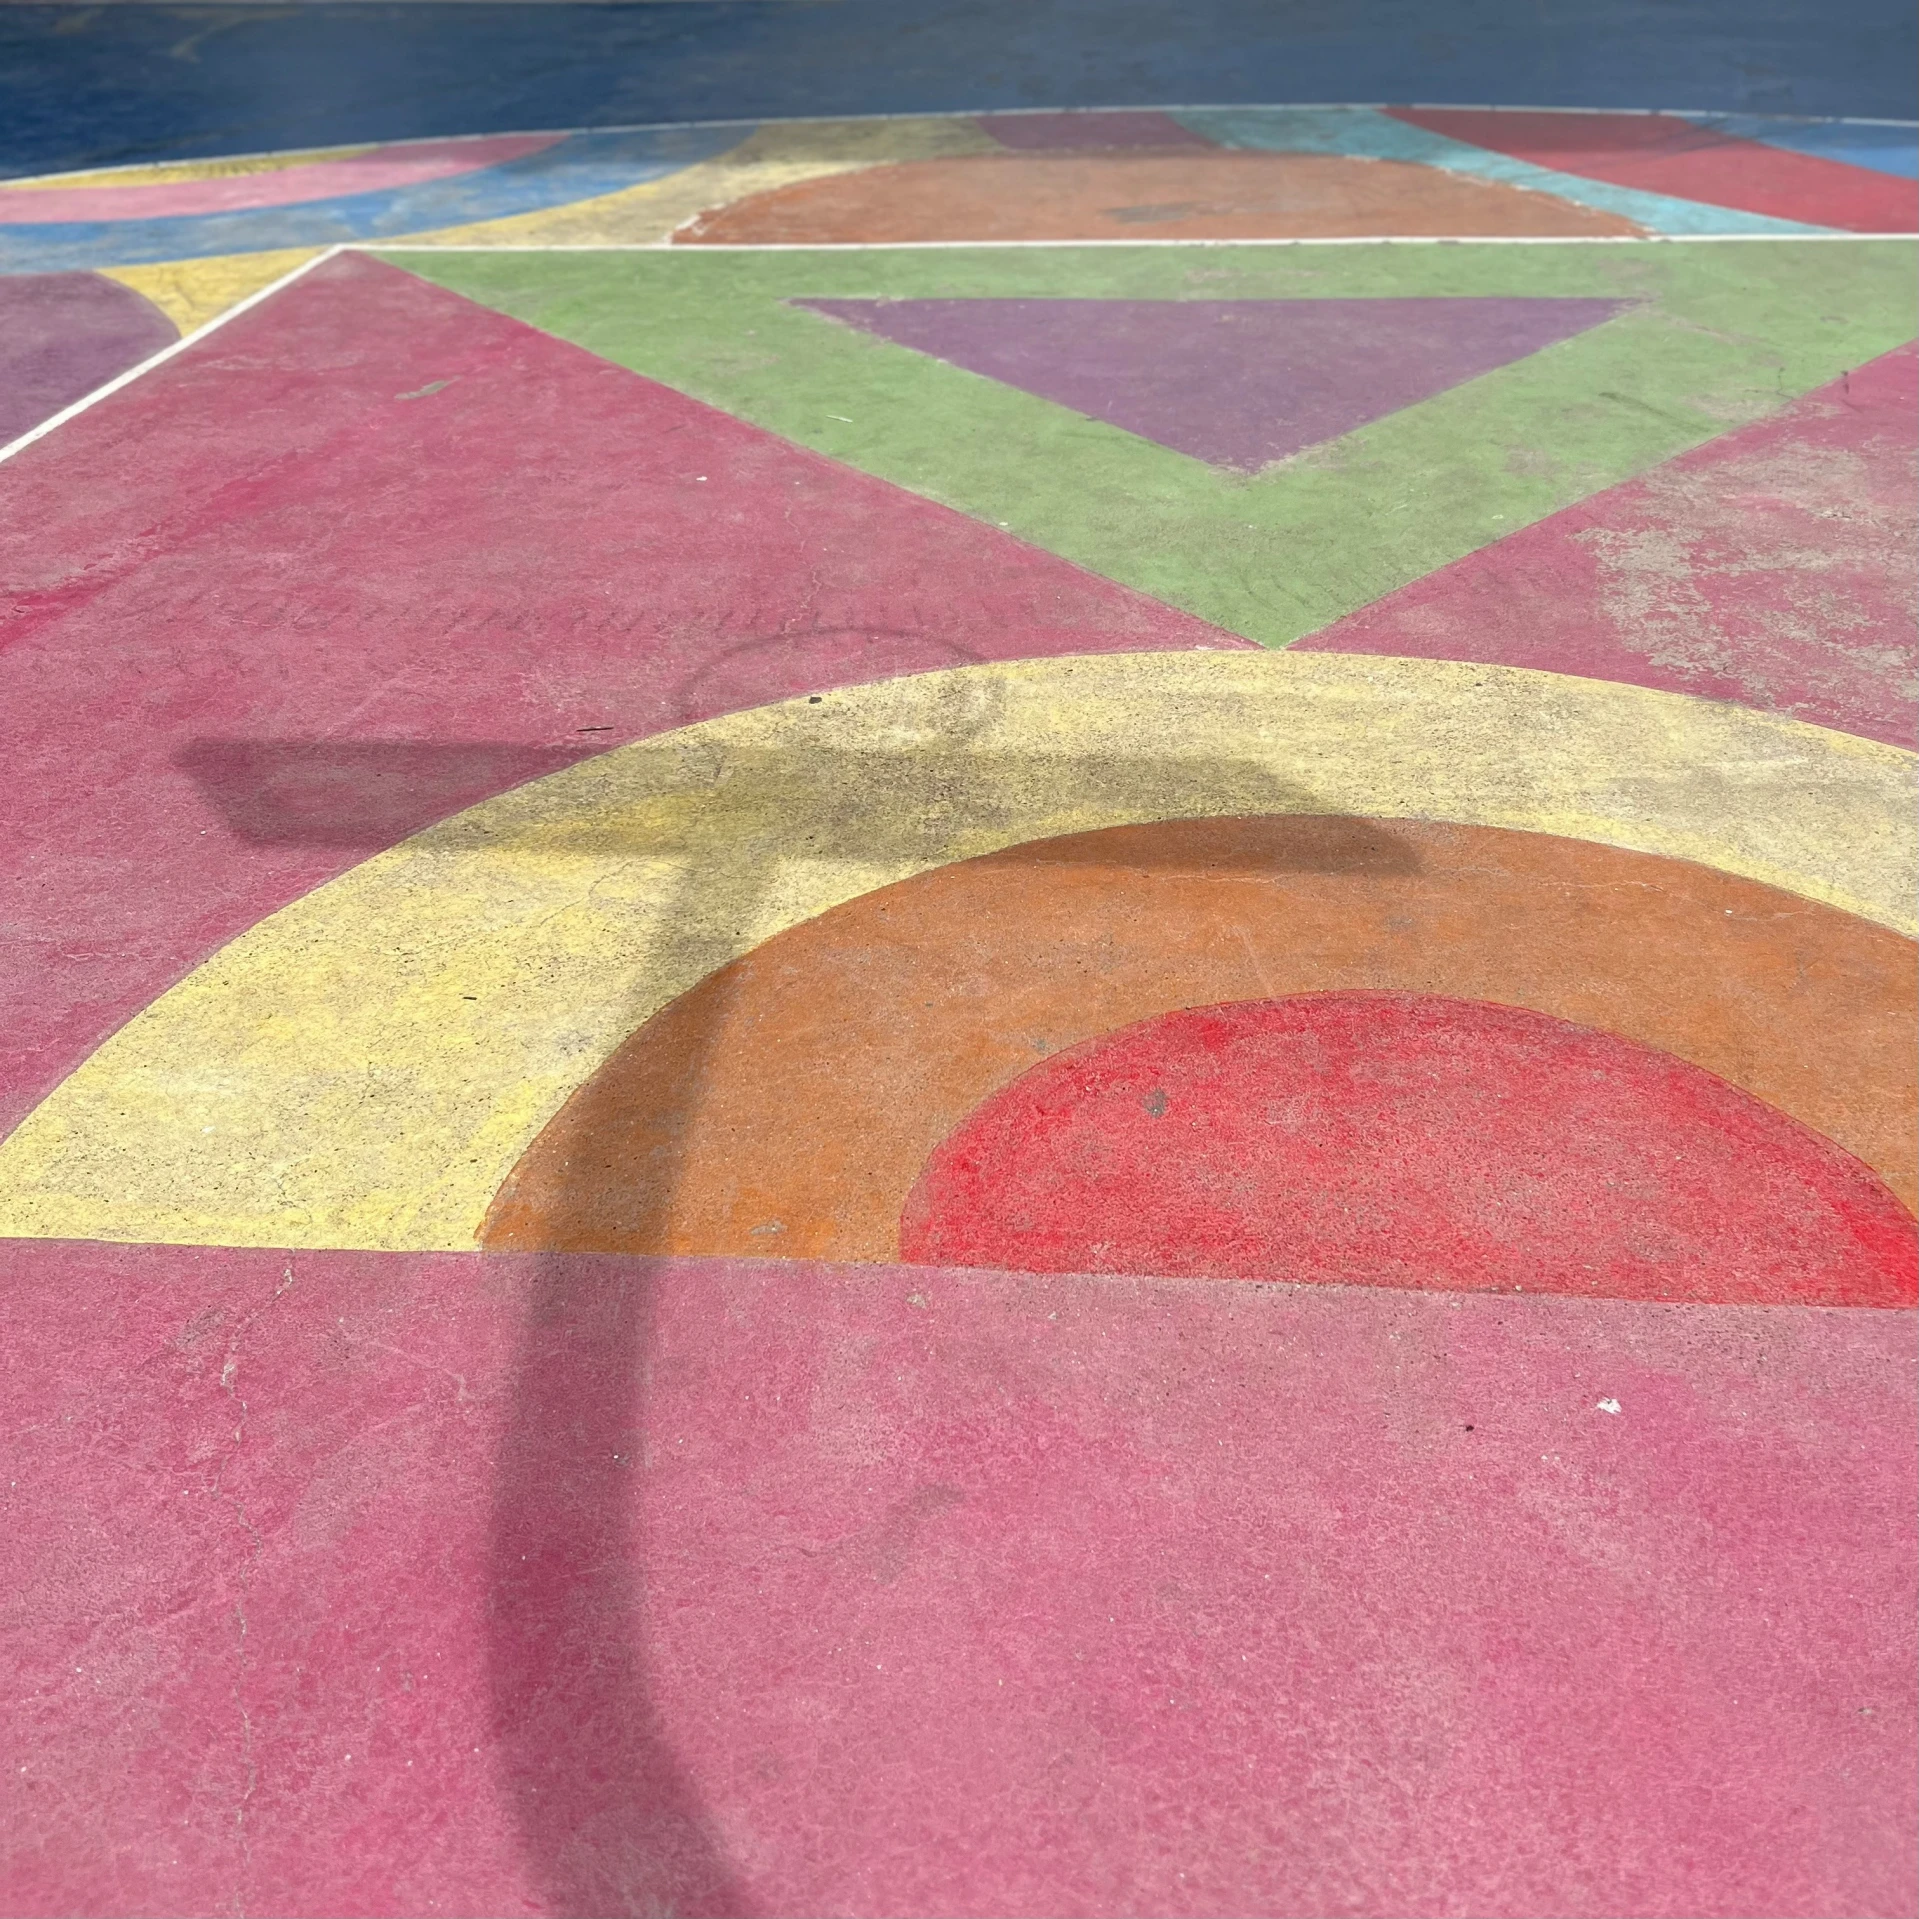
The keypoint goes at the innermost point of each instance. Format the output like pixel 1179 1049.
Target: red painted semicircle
pixel 1388 1139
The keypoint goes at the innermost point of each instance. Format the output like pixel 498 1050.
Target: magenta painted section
pixel 1053 132
pixel 371 553
pixel 1405 1139
pixel 364 1584
pixel 1771 566
pixel 1237 383
pixel 62 335
pixel 377 171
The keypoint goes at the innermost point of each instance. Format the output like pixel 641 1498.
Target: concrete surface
pixel 1012 1076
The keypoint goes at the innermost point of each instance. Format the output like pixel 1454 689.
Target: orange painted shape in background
pixel 1162 195
pixel 786 1105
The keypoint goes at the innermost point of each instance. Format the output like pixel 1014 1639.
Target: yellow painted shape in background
pixel 365 1066
pixel 192 292
pixel 772 156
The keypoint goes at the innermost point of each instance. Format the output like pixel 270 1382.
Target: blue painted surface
pixel 575 169
pixel 1378 136
pixel 1885 149
pixel 96 86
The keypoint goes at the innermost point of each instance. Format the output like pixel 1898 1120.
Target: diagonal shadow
pixel 611 1823
pixel 358 793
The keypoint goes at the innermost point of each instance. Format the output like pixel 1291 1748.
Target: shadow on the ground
pixel 612 1824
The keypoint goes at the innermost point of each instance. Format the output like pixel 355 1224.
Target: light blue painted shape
pixel 1881 145
pixel 577 168
pixel 1366 134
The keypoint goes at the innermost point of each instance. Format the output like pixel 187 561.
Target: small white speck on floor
pixel 1606 1406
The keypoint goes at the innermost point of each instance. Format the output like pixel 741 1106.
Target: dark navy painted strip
pixel 110 85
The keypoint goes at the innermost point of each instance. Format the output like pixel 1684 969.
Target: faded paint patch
pixel 1772 566
pixel 1411 1140
pixel 192 292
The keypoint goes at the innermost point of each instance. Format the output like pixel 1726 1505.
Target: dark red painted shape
pixel 1771 566
pixel 1661 153
pixel 1391 1139
pixel 370 553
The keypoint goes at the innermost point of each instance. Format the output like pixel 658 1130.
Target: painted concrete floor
pixel 1003 1013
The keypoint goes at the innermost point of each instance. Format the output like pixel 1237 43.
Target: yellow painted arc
pixel 365 1066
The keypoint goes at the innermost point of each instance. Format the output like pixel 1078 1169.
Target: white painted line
pixel 166 353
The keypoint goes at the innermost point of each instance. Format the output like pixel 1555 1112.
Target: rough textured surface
pixel 1083 131
pixel 1770 566
pixel 1717 336
pixel 349 1584
pixel 131 84
pixel 192 292
pixel 376 170
pixel 886 1021
pixel 482 1582
pixel 80 223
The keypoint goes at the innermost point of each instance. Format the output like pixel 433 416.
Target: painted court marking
pixel 489 964
pixel 888 1019
pixel 1380 1138
pixel 165 354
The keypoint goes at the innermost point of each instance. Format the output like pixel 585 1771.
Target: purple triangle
pixel 1237 383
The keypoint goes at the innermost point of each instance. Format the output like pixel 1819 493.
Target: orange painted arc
pixel 1168 195
pixel 787 1103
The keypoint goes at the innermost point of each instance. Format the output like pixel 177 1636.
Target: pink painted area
pixel 362 1584
pixel 1660 153
pixel 381 169
pixel 1771 567
pixel 1083 132
pixel 371 553
pixel 1402 1139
